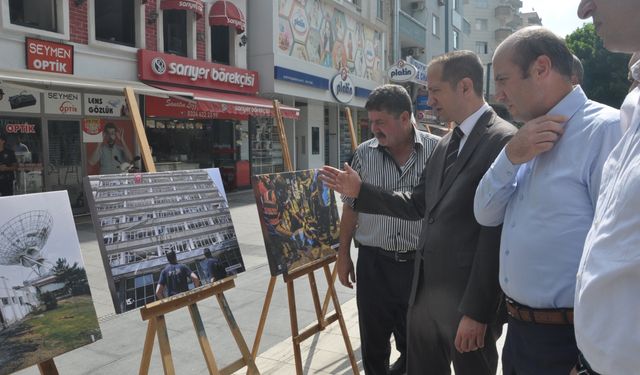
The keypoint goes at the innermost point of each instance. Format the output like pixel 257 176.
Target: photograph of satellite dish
pixel 45 303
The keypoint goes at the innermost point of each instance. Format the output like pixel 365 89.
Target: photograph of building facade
pixel 46 307
pixel 140 217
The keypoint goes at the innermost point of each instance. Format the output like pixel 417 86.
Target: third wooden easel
pixel 308 270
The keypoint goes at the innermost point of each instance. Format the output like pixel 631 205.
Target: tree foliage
pixel 73 277
pixel 605 73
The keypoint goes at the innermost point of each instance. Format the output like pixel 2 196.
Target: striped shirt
pixel 376 166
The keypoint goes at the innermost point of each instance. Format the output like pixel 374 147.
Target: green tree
pixel 73 277
pixel 605 73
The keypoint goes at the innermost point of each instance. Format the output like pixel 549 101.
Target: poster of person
pixel 108 144
pixel 142 220
pixel 45 303
pixel 299 218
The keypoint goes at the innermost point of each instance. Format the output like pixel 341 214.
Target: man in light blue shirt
pixel 543 188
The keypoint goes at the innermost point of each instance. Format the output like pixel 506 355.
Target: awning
pixel 225 13
pixel 195 6
pixel 39 79
pixel 213 104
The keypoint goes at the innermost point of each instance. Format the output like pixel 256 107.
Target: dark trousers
pixel 6 187
pixel 534 349
pixel 432 323
pixel 382 294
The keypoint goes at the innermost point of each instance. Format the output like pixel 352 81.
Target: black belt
pixel 583 366
pixel 395 255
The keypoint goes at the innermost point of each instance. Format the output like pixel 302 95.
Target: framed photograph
pixel 45 302
pixel 299 219
pixel 140 217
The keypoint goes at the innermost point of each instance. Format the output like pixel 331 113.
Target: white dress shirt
pixel 467 125
pixel 607 303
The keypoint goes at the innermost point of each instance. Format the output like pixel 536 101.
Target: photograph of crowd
pixel 299 218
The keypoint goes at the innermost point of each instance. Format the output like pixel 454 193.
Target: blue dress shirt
pixel 547 205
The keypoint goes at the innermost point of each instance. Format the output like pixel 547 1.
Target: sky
pixel 557 15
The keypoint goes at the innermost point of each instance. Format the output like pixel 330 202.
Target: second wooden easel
pixel 154 313
pixel 308 270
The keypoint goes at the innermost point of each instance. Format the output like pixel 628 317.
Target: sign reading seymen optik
pixel 49 56
pixel 165 68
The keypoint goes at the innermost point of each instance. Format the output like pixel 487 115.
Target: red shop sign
pixel 200 109
pixel 161 67
pixel 49 56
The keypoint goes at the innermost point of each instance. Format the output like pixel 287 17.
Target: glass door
pixel 65 169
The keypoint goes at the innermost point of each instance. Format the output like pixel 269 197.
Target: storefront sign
pixel 165 68
pixel 105 106
pixel 195 6
pixel 19 100
pixel 401 72
pixel 22 128
pixel 421 68
pixel 49 56
pixel 342 87
pixel 177 108
pixel 422 102
pixel 62 102
pixel 300 78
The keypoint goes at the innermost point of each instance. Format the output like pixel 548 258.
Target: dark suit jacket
pixel 459 256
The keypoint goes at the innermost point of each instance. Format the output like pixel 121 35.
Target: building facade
pixel 64 66
pixel 492 21
pixel 319 56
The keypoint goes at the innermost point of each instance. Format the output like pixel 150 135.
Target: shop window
pixel 24 138
pixel 174 32
pixel 220 44
pixel 37 14
pixel 115 21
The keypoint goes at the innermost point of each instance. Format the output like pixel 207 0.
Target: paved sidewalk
pixel 119 352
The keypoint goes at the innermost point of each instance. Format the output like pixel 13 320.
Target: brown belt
pixel 539 316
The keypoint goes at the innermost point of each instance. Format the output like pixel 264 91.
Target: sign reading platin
pixel 48 56
pixel 342 86
pixel 401 72
pixel 165 68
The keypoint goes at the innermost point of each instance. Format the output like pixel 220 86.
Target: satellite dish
pixel 23 237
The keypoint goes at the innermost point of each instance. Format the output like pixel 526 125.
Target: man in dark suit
pixel 454 308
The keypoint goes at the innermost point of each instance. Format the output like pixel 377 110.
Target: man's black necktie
pixel 452 150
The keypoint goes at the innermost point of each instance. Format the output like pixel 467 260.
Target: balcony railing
pixel 411 30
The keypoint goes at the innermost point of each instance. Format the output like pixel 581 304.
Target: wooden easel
pixel 307 270
pixel 48 367
pixel 155 311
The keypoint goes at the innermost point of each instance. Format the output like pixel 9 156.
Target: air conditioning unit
pixel 417 6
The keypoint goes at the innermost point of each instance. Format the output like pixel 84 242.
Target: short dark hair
pixel 207 253
pixel 457 65
pixel 393 99
pixel 532 42
pixel 110 125
pixel 577 69
pixel 171 257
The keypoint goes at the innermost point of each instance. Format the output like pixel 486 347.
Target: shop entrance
pixel 64 169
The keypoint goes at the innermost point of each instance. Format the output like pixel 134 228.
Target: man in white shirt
pixel 607 311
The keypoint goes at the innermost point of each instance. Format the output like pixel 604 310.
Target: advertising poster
pixel 140 217
pixel 45 302
pixel 299 219
pixel 108 144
